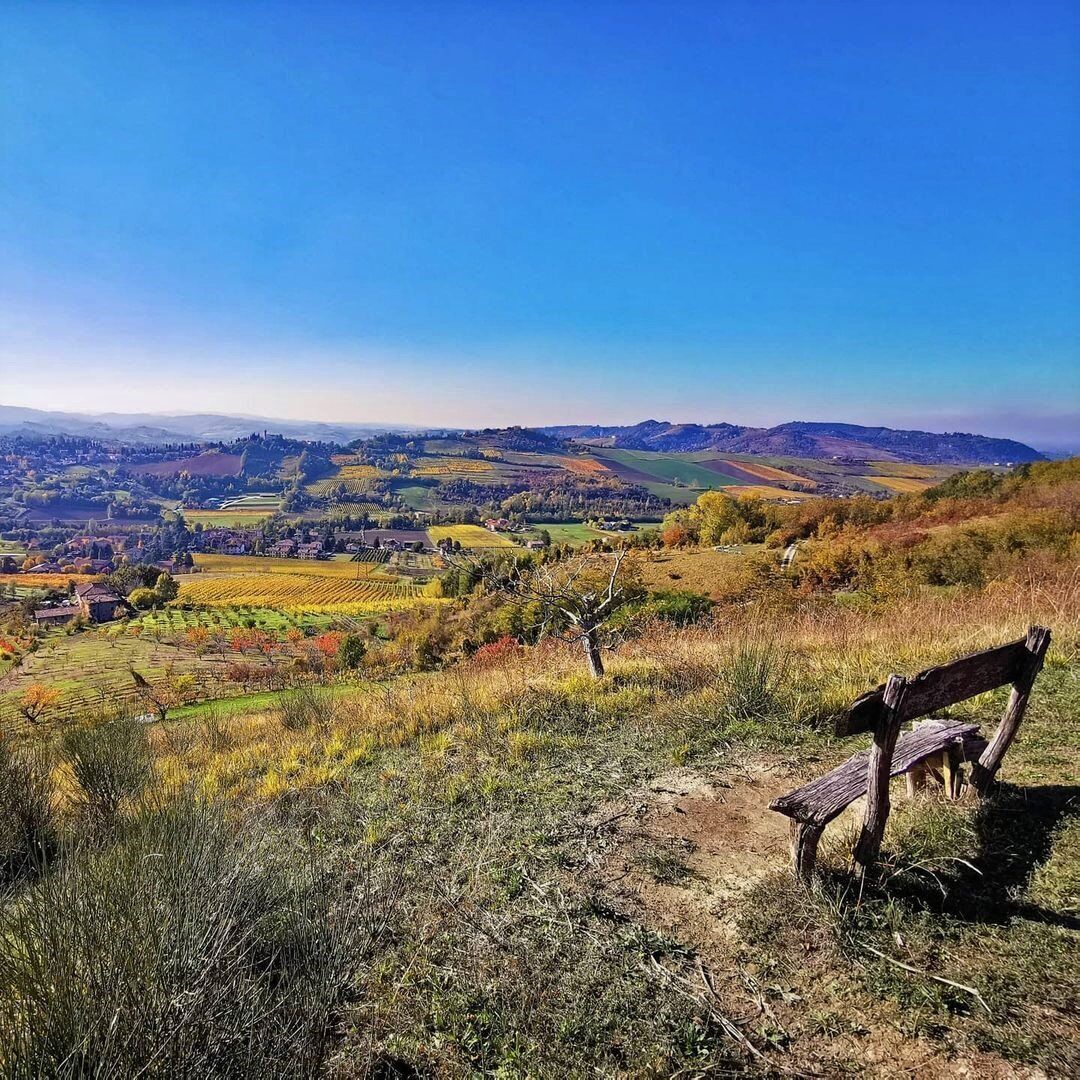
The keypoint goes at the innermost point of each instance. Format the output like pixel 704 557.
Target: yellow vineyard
pixel 45 581
pixel 339 569
pixel 765 491
pixel 776 476
pixel 469 536
pixel 902 485
pixel 453 467
pixel 300 592
pixel 906 468
pixel 582 466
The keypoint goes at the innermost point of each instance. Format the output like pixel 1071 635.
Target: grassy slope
pixel 514 953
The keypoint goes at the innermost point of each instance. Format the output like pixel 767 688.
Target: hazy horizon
pixel 473 215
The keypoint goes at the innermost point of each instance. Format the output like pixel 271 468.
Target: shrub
pixel 111 763
pixel 27 826
pixel 185 949
pixel 351 652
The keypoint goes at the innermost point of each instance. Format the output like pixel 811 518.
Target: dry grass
pixel 717 574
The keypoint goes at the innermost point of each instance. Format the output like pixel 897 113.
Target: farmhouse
pixel 97 602
pixel 55 616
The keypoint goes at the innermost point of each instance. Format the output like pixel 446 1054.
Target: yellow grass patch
pixel 719 574
pixel 469 536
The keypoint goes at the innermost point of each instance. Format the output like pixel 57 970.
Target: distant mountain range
pixel 811 440
pixel 798 439
pixel 153 428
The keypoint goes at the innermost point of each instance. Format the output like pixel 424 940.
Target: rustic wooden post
pixel 915 779
pixel 950 772
pixel 804 844
pixel 985 769
pixel 878 772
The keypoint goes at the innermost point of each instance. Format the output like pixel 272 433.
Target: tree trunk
pixel 592 652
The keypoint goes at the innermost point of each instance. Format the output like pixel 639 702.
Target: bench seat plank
pixel 817 803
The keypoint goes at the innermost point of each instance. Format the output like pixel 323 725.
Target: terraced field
pixel 94 667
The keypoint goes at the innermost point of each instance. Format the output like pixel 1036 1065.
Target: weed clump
pixel 305 707
pixel 111 762
pixel 183 948
pixel 28 831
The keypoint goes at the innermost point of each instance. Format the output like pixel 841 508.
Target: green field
pixel 229 519
pixel 667 468
pixel 577 532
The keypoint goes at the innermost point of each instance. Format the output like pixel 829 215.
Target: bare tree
pixel 575 597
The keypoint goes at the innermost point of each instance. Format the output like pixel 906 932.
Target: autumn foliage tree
pixel 36 700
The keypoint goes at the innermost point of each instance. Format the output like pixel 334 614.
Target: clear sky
pixel 482 213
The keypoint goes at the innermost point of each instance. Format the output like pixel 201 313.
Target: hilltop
pixel 822 441
pixel 810 440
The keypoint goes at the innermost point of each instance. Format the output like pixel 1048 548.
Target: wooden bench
pixel 947 742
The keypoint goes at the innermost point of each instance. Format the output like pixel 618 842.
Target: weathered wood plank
pixel 821 800
pixel 985 770
pixel 939 687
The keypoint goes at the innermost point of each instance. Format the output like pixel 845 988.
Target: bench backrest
pixel 939 687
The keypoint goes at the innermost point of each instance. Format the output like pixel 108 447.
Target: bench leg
pixel 950 772
pixel 804 845
pixel 916 779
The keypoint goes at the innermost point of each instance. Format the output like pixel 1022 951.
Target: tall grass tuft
pixel 305 707
pixel 184 948
pixel 28 832
pixel 753 685
pixel 111 763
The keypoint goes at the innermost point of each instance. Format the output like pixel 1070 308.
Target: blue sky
pixel 542 212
